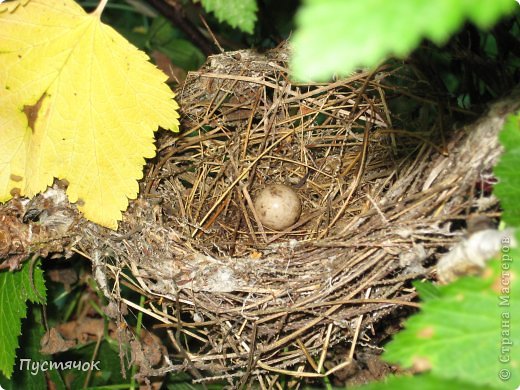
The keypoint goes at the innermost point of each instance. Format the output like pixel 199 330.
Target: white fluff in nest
pixel 470 255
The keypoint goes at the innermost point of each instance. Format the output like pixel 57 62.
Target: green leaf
pixel 165 38
pixel 508 187
pixel 423 382
pixel 29 379
pixel 427 290
pixel 237 13
pixel 15 289
pixel 183 54
pixel 465 333
pixel 338 36
pixel 161 31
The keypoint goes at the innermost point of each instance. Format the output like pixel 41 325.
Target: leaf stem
pixel 100 8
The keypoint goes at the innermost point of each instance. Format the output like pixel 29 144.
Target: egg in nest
pixel 278 206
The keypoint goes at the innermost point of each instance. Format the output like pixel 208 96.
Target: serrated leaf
pixel 337 36
pixel 77 102
pixel 237 13
pixel 508 187
pixel 465 332
pixel 15 289
pixel 422 382
pixel 24 377
pixel 10 6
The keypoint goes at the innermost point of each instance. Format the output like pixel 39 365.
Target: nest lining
pixel 311 146
pixel 377 209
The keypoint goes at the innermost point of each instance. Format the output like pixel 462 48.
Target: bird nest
pixel 241 301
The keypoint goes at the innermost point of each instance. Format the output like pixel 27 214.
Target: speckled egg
pixel 278 206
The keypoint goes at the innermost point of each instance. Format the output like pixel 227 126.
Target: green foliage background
pixel 338 36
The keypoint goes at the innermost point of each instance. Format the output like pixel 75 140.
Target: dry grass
pixel 245 303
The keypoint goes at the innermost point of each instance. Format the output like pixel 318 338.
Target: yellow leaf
pixel 77 102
